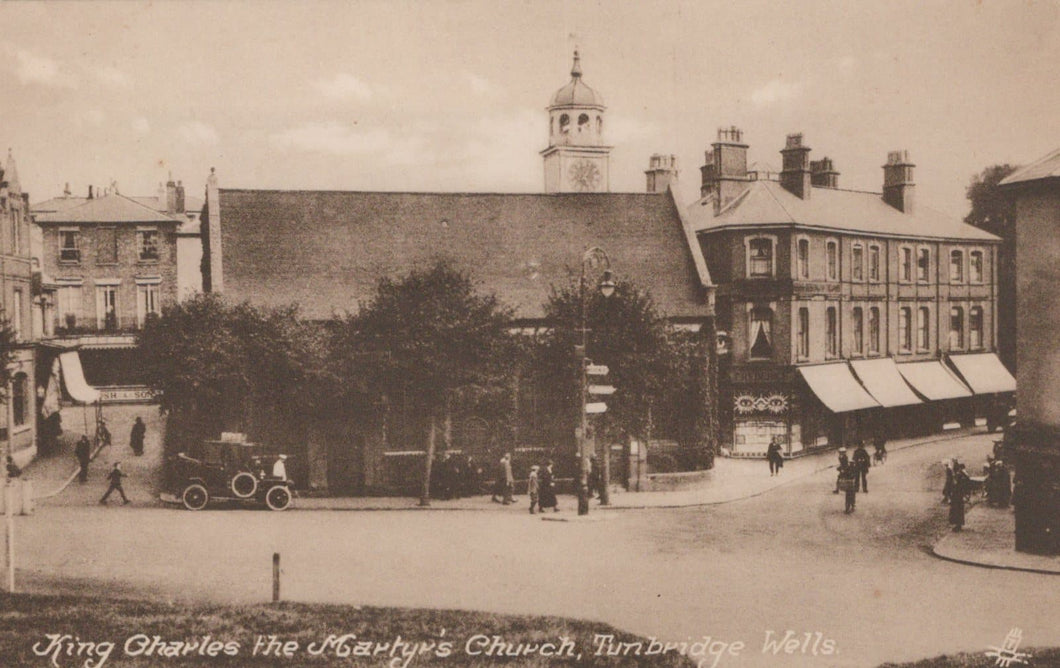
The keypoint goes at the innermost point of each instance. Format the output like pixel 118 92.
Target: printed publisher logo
pixel 1008 653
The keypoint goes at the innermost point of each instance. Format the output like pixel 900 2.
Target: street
pixel 788 559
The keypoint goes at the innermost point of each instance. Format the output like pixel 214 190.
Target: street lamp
pixel 593 258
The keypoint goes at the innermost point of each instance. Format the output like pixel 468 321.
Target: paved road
pixel 788 559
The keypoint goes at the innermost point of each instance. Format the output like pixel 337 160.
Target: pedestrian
pixel 862 462
pixel 947 488
pixel 843 463
pixel 115 477
pixel 13 471
pixel 83 452
pixel 776 459
pixel 505 481
pixel 136 440
pixel 471 478
pixel 279 468
pixel 533 487
pixel 960 488
pixel 102 433
pixel 596 480
pixel 848 482
pixel 1004 485
pixel 547 489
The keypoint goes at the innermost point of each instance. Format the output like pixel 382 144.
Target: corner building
pixel 842 314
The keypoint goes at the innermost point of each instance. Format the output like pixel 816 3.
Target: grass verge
pixel 67 631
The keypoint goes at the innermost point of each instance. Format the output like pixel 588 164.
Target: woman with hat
pixel 547 491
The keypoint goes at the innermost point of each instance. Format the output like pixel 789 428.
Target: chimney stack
pixel 795 172
pixel 823 174
pixel 180 197
pixel 725 173
pixel 90 192
pixel 898 186
pixel 171 195
pixel 661 172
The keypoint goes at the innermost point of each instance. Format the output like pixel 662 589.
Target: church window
pixel 583 122
pixel 564 124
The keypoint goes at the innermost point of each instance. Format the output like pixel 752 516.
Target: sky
pixel 452 96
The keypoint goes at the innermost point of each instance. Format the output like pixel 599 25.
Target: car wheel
pixel 244 485
pixel 195 497
pixel 278 497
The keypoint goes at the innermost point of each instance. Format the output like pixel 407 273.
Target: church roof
pixel 111 208
pixel 767 202
pixel 326 251
pixel 1044 168
pixel 576 93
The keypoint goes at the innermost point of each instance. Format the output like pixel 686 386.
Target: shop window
pixel 761 333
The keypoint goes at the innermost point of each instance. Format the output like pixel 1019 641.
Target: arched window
pixel 874 263
pixel 583 122
pixel 761 333
pixel 874 330
pixel 905 343
pixel 857 263
pixel 831 334
pixel 564 124
pixel 923 264
pixel 599 126
pixel 906 274
pixel 956 328
pixel 956 266
pixel 803 333
pixel 831 251
pixel 859 330
pixel 923 329
pixel 975 328
pixel 19 398
pixel 975 266
pixel 803 259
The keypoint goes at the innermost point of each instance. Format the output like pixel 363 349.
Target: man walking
pixel 861 467
pixel 776 459
pixel 83 452
pixel 532 487
pixel 115 477
pixel 843 464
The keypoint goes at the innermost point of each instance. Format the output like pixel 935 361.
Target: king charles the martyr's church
pixel 837 313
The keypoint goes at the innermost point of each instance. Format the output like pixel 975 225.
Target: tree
pixel 994 211
pixel 430 337
pixel 660 374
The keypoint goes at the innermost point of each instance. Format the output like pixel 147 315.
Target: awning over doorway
pixel 984 373
pixel 74 379
pixel 881 378
pixel 837 388
pixel 933 380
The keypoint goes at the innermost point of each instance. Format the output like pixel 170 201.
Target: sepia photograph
pixel 530 333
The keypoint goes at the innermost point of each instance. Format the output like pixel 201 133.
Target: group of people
pixel 83 454
pixel 540 485
pixel 454 477
pixel 853 475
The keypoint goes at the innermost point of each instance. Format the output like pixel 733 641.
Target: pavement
pixel 987 538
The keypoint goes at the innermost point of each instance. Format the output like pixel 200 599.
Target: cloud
pixel 344 86
pixel 140 125
pixel 197 132
pixel 774 91
pixel 113 77
pixel 32 68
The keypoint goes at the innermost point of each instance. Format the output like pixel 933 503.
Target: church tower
pixel 576 159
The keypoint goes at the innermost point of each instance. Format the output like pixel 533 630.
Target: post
pixel 10 531
pixel 579 354
pixel 275 577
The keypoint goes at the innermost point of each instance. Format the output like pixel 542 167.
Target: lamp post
pixel 592 258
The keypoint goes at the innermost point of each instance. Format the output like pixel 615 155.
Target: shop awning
pixel 881 378
pixel 837 388
pixel 74 379
pixel 984 373
pixel 933 380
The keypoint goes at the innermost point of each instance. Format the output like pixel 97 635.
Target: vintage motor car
pixel 232 470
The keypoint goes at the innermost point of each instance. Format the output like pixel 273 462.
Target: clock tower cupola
pixel 576 160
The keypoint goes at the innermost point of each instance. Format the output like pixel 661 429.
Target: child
pixel 532 487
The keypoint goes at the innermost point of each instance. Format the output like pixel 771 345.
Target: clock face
pixel 585 176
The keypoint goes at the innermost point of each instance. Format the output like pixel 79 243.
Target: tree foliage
pixel 991 210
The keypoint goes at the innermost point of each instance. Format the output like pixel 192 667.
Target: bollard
pixel 275 577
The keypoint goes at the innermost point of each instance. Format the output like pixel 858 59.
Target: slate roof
pixel 326 250
pixel 107 209
pixel 767 202
pixel 1044 168
pixel 191 204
